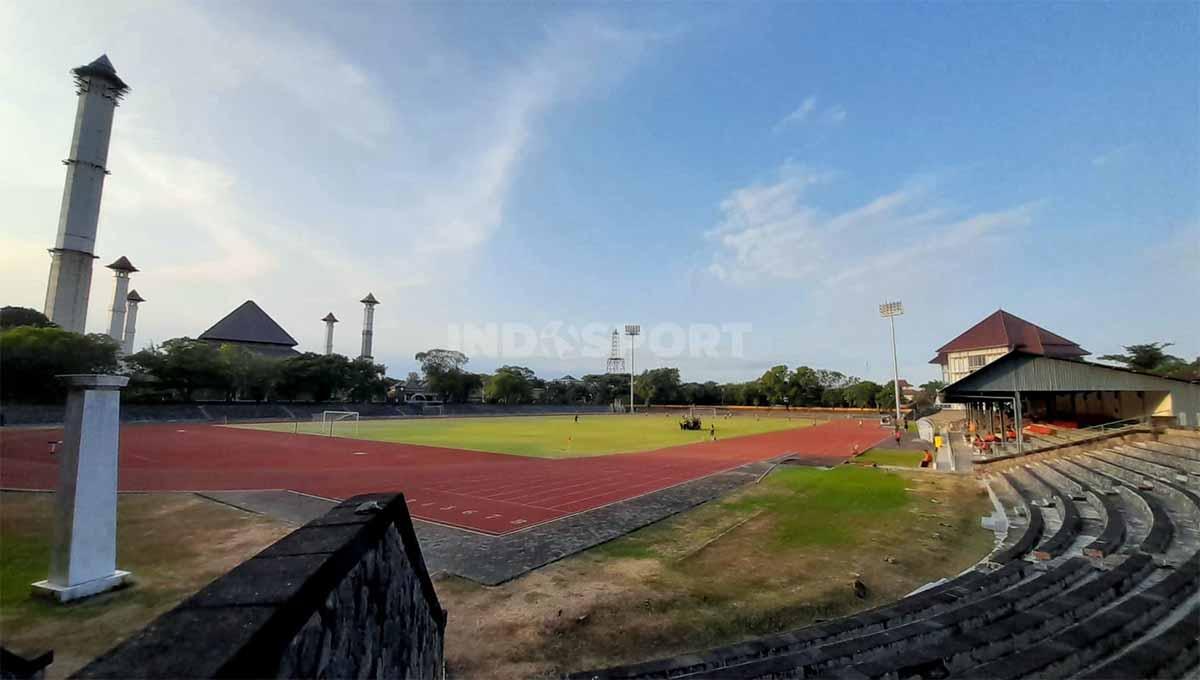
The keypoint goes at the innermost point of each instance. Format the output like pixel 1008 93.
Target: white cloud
pixel 774 232
pixel 1111 156
pixel 800 114
pixel 807 111
pixel 256 158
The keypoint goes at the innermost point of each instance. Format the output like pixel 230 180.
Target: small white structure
pixel 925 429
pixel 132 301
pixel 99 90
pixel 329 320
pixel 83 558
pixel 368 331
pixel 122 268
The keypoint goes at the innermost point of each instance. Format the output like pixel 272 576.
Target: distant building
pixel 250 327
pixel 568 379
pixel 907 391
pixel 995 336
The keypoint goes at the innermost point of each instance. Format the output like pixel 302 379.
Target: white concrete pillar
pixel 329 320
pixel 368 331
pixel 83 558
pixel 116 311
pixel 99 89
pixel 132 302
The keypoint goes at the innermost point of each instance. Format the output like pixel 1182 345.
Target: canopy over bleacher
pixel 1049 388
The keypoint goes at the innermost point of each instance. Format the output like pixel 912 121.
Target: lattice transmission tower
pixel 616 360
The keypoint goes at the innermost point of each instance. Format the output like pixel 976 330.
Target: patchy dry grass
pixel 173 543
pixel 772 557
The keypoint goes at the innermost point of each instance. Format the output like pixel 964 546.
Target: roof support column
pixel 1017 417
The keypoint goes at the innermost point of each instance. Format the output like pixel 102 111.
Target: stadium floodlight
pixel 632 330
pixel 891 310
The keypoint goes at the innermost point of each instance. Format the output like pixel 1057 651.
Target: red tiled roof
pixel 1002 329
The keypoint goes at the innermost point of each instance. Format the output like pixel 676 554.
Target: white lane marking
pixel 517 521
pixel 359 453
pixel 470 512
pixel 448 507
pixel 493 516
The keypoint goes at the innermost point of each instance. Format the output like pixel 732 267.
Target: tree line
pixel 445 376
pixel 33 350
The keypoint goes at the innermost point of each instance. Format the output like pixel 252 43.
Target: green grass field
pixel 897 457
pixel 546 436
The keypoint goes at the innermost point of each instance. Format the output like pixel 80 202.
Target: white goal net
pixel 337 423
pixel 432 410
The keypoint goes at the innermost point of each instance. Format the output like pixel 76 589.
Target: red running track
pixel 487 492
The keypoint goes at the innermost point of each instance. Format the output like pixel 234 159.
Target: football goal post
pixel 338 422
pixel 432 410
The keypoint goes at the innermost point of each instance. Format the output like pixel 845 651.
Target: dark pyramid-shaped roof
pixel 1001 329
pixel 122 264
pixel 369 300
pixel 134 297
pixel 101 67
pixel 329 317
pixel 249 323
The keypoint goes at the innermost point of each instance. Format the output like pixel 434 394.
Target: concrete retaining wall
pixel 346 595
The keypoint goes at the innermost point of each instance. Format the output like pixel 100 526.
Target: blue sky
pixel 785 167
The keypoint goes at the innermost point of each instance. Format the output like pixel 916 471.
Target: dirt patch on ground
pixel 777 556
pixel 174 543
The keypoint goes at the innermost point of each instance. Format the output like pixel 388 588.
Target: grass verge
pixel 173 543
pixel 771 557
pixel 895 457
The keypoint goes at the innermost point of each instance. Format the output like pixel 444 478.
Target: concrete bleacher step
pixel 1161 526
pixel 1063 616
pixel 1169 654
pixel 1166 454
pixel 1070 525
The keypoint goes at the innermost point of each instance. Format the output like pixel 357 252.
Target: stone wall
pixel 346 595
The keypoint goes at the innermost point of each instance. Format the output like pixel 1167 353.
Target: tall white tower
pixel 99 90
pixel 116 313
pixel 369 303
pixel 329 320
pixel 130 321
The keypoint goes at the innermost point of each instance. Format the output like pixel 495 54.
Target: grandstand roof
pixel 249 324
pixel 1001 329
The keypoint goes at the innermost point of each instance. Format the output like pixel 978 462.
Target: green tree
pixel 805 387
pixel 932 387
pixel 248 375
pixel 510 385
pixel 366 380
pixel 181 364
pixel 862 394
pixel 1149 357
pixel 12 317
pixel 885 397
pixel 657 384
pixel 444 374
pixel 607 387
pixel 317 376
pixel 834 397
pixel 31 357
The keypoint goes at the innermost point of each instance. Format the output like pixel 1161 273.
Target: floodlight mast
pixel 891 310
pixel 632 330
